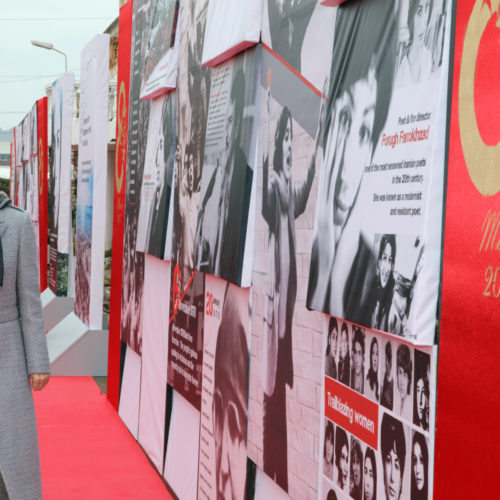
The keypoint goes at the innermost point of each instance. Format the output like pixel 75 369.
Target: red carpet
pixel 86 451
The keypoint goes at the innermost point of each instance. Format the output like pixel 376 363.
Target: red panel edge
pixel 229 53
pixel 42 188
pixel 114 344
pixel 332 3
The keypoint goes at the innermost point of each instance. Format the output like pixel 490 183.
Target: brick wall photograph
pixel 285 368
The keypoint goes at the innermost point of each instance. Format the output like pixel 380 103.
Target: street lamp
pixel 49 46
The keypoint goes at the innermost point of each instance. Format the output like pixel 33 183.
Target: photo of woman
pixel 344 356
pixel 404 372
pixel 415 63
pixel 331 349
pixel 372 386
pixel 358 360
pixel 419 467
pixel 381 298
pixel 328 450
pixel 421 390
pixel 393 448
pixel 387 394
pixel 356 471
pixel 341 458
pixel 370 476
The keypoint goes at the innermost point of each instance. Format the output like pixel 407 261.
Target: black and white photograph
pixel 369 475
pixel 193 97
pixel 373 357
pixel 387 389
pixel 403 399
pixel 223 452
pixel 342 459
pixel 228 166
pixel 422 396
pixel 160 64
pixel 133 261
pixel 344 365
pixel 361 83
pixel 328 450
pixel 157 177
pixel 395 462
pixel 287 183
pixel 358 360
pixel 419 467
pixel 356 470
pixel 332 342
pixel 421 40
pixel 300 33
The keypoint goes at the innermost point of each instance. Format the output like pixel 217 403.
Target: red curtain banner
pixel 124 47
pixel 468 402
pixel 43 220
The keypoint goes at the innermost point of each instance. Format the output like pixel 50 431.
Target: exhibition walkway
pixel 86 450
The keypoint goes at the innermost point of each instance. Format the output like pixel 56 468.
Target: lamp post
pixel 49 46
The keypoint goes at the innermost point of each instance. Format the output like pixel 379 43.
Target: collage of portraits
pixel 282 245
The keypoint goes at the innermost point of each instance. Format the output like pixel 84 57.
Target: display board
pixel 377 244
pixel 138 119
pixel 229 162
pixel 232 27
pixel 378 407
pixel 60 223
pixel 159 73
pixel 302 233
pixel 92 177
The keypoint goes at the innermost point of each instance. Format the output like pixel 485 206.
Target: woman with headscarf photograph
pixel 371 385
pixel 419 467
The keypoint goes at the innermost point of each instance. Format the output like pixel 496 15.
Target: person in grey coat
pixel 24 360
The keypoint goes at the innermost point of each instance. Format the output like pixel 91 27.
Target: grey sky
pixel 23 61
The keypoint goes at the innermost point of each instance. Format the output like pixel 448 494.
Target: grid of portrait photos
pixel 376 434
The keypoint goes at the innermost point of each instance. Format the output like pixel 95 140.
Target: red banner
pixel 43 220
pixel 124 47
pixel 469 376
pixel 352 411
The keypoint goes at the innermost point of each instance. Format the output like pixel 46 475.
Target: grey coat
pixel 23 351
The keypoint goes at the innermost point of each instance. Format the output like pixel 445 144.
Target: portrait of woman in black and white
pixel 342 458
pixel 404 370
pixel 387 393
pixel 358 360
pixel 393 447
pixel 381 297
pixel 415 56
pixel 372 385
pixel 157 178
pixel 421 390
pixel 419 467
pixel 331 349
pixel 361 84
pixel 283 201
pixel 328 449
pixel 356 470
pixel 370 476
pixel 344 367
